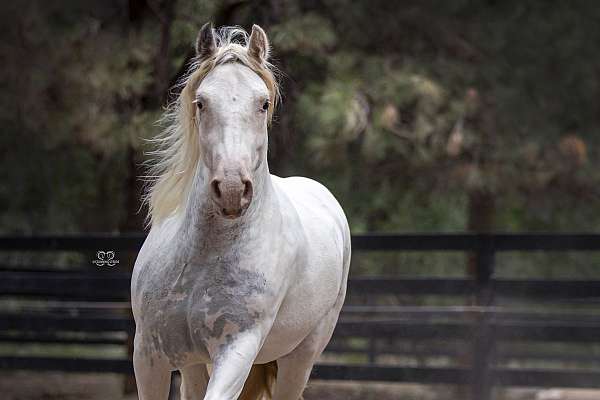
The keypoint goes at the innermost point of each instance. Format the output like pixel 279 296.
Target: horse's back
pixel 315 204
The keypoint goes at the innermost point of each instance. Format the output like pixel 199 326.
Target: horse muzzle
pixel 232 194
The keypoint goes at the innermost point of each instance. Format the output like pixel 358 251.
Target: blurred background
pixel 420 116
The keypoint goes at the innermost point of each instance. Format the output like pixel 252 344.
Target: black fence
pixel 476 343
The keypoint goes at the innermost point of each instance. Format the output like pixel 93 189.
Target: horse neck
pixel 201 221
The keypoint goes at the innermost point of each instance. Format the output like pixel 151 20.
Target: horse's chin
pixel 232 216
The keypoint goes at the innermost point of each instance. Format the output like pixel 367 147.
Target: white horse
pixel 242 272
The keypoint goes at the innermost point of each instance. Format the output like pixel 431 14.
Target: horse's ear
pixel 258 45
pixel 205 44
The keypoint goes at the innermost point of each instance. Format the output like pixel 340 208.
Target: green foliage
pixel 307 34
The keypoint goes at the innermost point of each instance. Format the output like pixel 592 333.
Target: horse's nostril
pixel 215 188
pixel 247 189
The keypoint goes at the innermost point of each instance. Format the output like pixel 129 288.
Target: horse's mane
pixel 173 164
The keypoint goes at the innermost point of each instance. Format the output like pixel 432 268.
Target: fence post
pixel 372 350
pixel 372 345
pixel 483 341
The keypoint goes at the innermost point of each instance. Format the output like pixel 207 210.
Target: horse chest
pixel 188 308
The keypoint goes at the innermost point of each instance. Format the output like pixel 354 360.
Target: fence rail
pixel 115 285
pixel 80 307
pixel 367 242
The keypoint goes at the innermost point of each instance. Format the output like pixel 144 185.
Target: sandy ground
pixel 61 386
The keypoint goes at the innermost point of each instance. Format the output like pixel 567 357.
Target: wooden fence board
pixel 365 242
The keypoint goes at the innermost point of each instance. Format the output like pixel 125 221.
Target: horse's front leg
pixel 194 379
pixel 232 362
pixel 152 373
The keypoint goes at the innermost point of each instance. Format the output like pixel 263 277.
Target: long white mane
pixel 173 163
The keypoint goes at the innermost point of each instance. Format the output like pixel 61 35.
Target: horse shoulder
pixel 151 255
pixel 326 230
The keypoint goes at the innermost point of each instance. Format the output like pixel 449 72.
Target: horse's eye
pixel 265 106
pixel 199 104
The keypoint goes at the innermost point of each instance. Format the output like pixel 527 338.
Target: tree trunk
pixel 481 219
pixel 481 213
pixel 162 62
